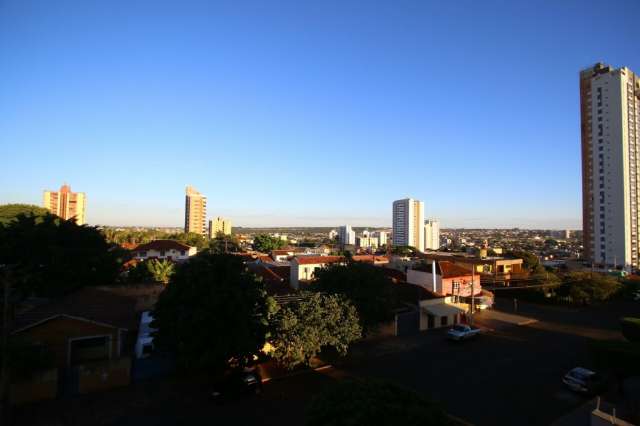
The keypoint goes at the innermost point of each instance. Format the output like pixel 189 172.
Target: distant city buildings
pixel 431 234
pixel 333 234
pixel 346 235
pixel 408 223
pixel 610 126
pixel 195 215
pixel 219 225
pixel 382 237
pixel 66 204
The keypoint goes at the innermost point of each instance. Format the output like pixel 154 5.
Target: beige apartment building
pixel 66 204
pixel 219 225
pixel 195 214
pixel 408 223
pixel 610 122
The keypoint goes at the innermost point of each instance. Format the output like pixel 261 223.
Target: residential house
pixel 164 249
pixel 303 268
pixel 88 335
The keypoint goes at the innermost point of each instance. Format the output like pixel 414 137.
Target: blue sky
pixel 304 113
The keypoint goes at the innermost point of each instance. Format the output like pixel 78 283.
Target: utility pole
pixel 473 304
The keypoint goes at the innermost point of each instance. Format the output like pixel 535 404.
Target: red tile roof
pixel 163 245
pixel 309 260
pixel 370 258
pixel 129 246
pixel 451 270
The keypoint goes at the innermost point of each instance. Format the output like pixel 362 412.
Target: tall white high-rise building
pixel 431 234
pixel 346 235
pixel 610 126
pixel 408 223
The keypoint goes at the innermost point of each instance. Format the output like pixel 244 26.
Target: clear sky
pixel 304 113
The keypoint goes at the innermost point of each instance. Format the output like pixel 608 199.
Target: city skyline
pixel 350 83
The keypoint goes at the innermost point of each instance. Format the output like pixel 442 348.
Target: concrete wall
pixel 56 335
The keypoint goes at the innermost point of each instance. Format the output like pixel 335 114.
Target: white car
pixel 462 332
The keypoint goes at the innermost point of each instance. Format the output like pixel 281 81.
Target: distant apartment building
pixel 346 235
pixel 219 225
pixel 431 234
pixel 367 241
pixel 408 223
pixel 610 126
pixel 66 204
pixel 333 234
pixel 195 214
pixel 382 237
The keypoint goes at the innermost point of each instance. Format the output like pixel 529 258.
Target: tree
pixel 299 330
pixel 364 402
pixel 212 312
pixel 139 273
pixel 9 212
pixel 224 244
pixel 585 287
pixel 631 329
pixel 161 270
pixel 265 243
pixel 191 239
pixel 530 261
pixel 365 285
pixel 52 256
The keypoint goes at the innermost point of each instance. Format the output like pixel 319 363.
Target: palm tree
pixel 161 270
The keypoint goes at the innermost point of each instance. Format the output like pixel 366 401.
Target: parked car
pixel 238 383
pixel 462 332
pixel 584 381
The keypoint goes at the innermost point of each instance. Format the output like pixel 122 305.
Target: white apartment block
pixel 610 101
pixel 382 237
pixel 346 235
pixel 431 234
pixel 408 223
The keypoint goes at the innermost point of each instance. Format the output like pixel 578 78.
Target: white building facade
pixel 408 223
pixel 431 234
pixel 610 100
pixel 346 235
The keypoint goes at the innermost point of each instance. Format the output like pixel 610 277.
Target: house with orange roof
pixel 303 268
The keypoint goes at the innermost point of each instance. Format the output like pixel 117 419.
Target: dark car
pixel 238 383
pixel 584 381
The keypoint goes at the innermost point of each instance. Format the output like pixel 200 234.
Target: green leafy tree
pixel 212 312
pixel 403 250
pixel 161 270
pixel 52 256
pixel 191 239
pixel 139 273
pixel 530 261
pixel 299 330
pixel 365 285
pixel 585 287
pixel 265 243
pixel 224 244
pixel 9 212
pixel 371 402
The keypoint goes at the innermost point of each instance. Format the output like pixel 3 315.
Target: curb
pixel 298 373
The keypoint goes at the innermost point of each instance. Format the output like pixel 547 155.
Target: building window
pixel 444 320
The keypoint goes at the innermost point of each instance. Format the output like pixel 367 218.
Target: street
pixel 511 374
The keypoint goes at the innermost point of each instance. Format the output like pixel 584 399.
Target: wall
pixel 424 279
pixel 43 385
pixel 55 334
pixel 104 375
